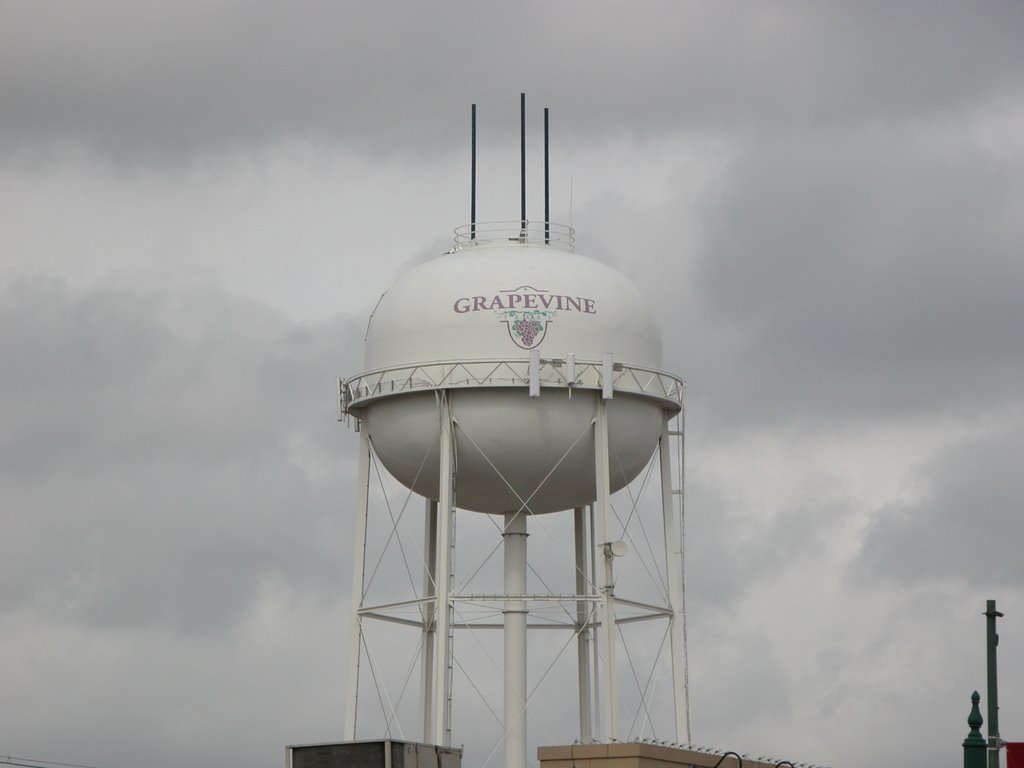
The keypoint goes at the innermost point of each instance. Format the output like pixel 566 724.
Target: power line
pixel 36 763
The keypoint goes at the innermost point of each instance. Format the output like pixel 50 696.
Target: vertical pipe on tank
pixel 582 623
pixel 472 181
pixel 355 638
pixel 681 485
pixel 442 634
pixel 547 202
pixel 428 613
pixel 522 165
pixel 604 514
pixel 674 569
pixel 596 664
pixel 515 640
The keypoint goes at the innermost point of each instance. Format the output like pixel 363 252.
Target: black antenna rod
pixel 472 183
pixel 547 207
pixel 522 162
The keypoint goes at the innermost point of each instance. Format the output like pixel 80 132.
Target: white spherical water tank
pixel 512 375
pixel 467 322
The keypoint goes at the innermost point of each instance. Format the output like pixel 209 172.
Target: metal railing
pixel 553 372
pixel 523 232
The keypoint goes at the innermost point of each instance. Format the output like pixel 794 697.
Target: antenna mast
pixel 547 205
pixel 522 162
pixel 472 182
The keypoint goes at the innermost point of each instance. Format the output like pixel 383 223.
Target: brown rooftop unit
pixel 385 753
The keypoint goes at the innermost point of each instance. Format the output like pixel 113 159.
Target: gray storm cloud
pixel 201 201
pixel 129 496
pixel 151 82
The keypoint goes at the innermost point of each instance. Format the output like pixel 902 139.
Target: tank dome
pixel 499 301
pixel 468 323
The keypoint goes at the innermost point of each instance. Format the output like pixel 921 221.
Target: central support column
pixel 443 582
pixel 515 640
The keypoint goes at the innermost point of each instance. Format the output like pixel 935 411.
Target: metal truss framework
pixel 590 613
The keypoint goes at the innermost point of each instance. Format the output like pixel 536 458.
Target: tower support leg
pixel 355 638
pixel 515 640
pixel 428 613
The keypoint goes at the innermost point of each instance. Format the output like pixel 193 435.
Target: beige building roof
pixel 643 755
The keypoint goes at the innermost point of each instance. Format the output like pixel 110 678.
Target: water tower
pixel 516 378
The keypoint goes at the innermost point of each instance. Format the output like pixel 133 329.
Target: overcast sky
pixel 201 201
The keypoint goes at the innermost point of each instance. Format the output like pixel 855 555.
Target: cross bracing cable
pixel 538 521
pixel 525 504
pixel 479 693
pixel 405 683
pixel 531 694
pixel 550 591
pixel 537 686
pixel 393 535
pixel 465 583
pixel 649 470
pixel 636 679
pixel 381 696
pixel 650 678
pixel 643 484
pixel 394 528
pixel 658 583
pixel 640 557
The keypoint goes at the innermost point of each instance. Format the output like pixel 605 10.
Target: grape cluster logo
pixel 527 329
pixel 526 312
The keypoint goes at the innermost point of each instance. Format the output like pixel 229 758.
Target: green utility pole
pixel 993 693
